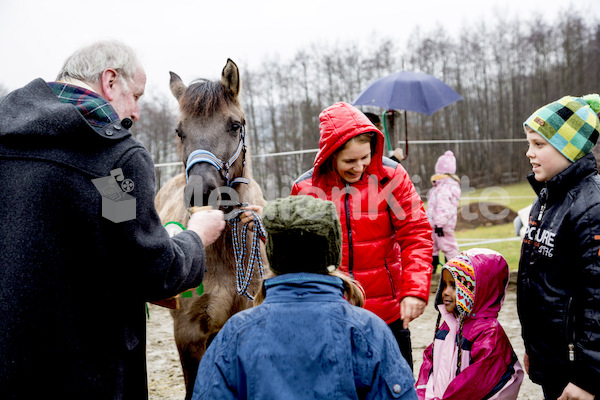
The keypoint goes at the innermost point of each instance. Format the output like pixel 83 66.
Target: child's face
pixel 449 292
pixel 546 161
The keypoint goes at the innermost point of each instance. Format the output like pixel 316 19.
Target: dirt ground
pixel 165 379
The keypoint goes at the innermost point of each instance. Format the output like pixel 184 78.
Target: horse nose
pixel 202 188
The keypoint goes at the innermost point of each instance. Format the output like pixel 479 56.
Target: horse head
pixel 211 131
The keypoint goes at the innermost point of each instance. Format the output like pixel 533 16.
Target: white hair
pixel 88 63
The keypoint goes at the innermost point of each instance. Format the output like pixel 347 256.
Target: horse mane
pixel 204 97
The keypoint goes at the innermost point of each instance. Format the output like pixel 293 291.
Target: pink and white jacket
pixel 489 367
pixel 442 201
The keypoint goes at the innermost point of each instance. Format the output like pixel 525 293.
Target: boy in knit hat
pixel 306 338
pixel 559 285
pixel 442 207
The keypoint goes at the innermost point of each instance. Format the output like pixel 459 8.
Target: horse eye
pixel 179 133
pixel 236 126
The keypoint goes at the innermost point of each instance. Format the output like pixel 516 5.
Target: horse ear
pixel 177 86
pixel 230 78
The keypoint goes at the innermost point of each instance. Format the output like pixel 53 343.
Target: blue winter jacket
pixel 304 342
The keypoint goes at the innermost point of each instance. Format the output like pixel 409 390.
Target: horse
pixel 211 128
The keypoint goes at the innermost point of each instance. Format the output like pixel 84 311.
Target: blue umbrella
pixel 408 91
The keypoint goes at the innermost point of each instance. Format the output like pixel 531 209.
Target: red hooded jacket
pixel 380 215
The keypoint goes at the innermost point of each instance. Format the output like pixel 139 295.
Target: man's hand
pixel 526 363
pixel 208 225
pixel 411 308
pixel 573 392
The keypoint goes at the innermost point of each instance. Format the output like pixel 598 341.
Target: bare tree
pixel 156 131
pixel 504 70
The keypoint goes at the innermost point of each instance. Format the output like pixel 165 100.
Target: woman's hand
pixel 247 217
pixel 573 392
pixel 411 308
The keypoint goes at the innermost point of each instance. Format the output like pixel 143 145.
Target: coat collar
pixel 303 285
pixel 567 179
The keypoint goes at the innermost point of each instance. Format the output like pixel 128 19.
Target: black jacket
pixel 73 284
pixel 559 279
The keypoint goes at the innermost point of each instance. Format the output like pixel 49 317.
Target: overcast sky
pixel 195 38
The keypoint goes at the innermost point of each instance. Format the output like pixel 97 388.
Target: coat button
pixel 117 127
pixel 397 388
pixel 109 132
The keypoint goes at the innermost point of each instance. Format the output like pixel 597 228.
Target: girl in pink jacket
pixel 471 357
pixel 442 207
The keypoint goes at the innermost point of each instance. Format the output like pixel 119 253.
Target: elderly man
pixel 81 245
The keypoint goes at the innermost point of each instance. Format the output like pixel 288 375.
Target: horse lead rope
pixel 243 275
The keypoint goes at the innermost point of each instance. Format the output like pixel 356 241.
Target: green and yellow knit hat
pixel 570 124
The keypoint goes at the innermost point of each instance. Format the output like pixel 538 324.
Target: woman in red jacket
pixel 387 242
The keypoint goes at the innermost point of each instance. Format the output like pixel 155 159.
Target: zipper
pixel 349 231
pixel 391 279
pixel 570 330
pixel 571 352
pixel 543 200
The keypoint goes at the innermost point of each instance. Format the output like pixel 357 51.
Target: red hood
pixel 338 124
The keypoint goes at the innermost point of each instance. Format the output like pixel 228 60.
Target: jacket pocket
pixel 390 277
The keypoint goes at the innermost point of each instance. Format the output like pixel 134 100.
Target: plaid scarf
pixel 95 109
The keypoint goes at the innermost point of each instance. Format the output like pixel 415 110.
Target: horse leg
pixel 195 325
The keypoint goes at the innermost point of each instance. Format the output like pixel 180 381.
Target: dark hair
pixel 366 137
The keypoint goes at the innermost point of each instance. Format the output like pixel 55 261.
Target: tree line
pixel 504 70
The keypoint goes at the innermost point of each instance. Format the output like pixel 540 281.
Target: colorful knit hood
pixel 481 278
pixel 570 124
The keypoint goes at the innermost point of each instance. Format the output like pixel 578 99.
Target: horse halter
pixel 198 156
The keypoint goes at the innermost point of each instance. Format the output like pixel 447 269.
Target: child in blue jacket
pixel 305 339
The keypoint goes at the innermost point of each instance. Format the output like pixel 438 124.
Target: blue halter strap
pixel 198 156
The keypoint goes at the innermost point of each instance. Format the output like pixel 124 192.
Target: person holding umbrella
pixel 387 244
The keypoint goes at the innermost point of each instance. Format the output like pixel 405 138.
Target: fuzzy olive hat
pixel 304 235
pixel 570 124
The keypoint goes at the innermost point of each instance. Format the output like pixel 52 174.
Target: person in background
pixel 398 154
pixel 558 287
pixel 442 207
pixel 74 283
pixel 471 356
pixel 306 337
pixel 387 242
